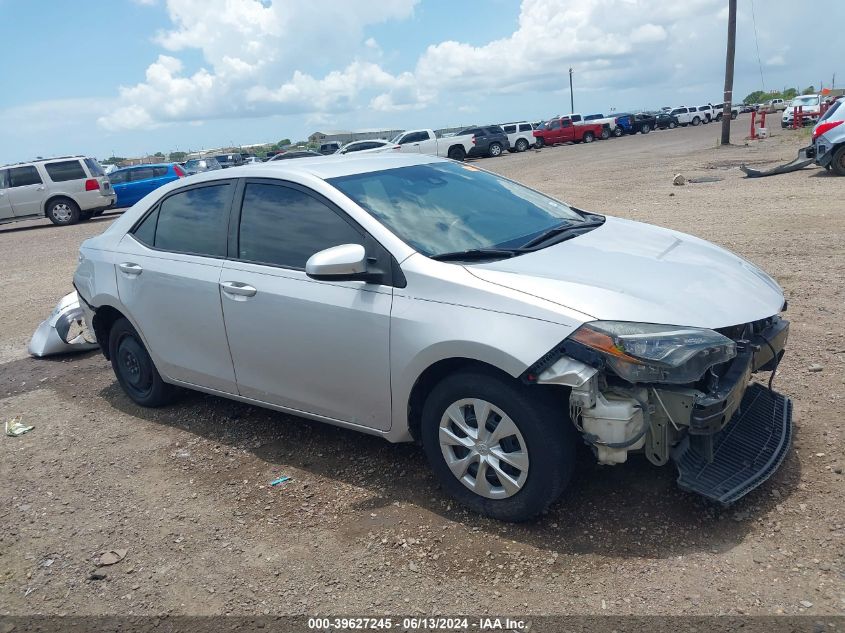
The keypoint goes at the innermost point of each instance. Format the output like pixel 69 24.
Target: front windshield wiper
pixel 561 231
pixel 477 253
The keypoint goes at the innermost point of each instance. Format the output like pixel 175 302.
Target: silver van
pixel 65 190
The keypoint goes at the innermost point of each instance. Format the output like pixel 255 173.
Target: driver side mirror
pixel 347 262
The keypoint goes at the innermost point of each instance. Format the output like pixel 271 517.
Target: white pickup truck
pixel 426 142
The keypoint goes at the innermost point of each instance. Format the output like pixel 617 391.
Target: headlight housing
pixel 646 352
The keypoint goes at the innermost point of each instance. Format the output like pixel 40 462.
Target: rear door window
pixel 509 129
pixel 158 172
pixel 194 221
pixel 4 179
pixel 283 226
pixel 119 177
pixel 141 173
pixel 23 176
pixel 525 127
pixel 65 170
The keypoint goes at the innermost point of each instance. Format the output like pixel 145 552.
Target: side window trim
pixel 157 205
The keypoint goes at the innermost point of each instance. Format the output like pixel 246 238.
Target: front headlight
pixel 646 352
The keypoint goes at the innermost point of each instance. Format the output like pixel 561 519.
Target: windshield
pixel 444 207
pixel 804 101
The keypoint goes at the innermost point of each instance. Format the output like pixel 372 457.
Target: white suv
pixel 65 190
pixel 520 135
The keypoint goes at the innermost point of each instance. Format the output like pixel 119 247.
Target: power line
pixel 757 44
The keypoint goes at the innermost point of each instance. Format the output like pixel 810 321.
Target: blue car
pixel 133 183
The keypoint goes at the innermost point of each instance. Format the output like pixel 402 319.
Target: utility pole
pixel 729 74
pixel 571 95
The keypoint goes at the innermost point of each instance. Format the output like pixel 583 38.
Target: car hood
pixel 628 271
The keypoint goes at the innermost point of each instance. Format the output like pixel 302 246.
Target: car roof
pixel 147 165
pixel 44 160
pixel 323 167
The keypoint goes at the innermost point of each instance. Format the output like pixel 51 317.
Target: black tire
pixel 134 368
pixel 672 125
pixel 837 165
pixel 645 129
pixel 605 134
pixel 588 137
pixel 457 153
pixel 719 117
pixel 63 211
pixel 549 437
pixel 696 120
pixel 733 115
pixel 539 142
pixel 618 131
pixel 98 213
pixel 495 149
pixel 521 145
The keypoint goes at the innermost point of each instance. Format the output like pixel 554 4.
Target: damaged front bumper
pixel 726 436
pixel 64 331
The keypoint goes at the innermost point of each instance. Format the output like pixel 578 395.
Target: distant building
pixel 347 136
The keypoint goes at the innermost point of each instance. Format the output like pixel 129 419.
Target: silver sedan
pixel 413 297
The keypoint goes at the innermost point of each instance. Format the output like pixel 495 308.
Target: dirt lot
pixel 362 527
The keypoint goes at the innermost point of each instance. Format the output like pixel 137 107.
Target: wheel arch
pixel 52 198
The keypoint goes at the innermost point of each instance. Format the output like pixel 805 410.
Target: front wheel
pixel 134 368
pixel 618 131
pixel 672 125
pixel 539 142
pixel 588 137
pixel 605 134
pixel 733 115
pixel 645 129
pixel 501 448
pixel 494 150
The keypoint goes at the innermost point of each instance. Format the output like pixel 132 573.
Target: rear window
pixel 141 173
pixel 525 127
pixel 94 167
pixel 158 172
pixel 65 170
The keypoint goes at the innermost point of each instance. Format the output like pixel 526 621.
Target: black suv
pixel 490 140
pixel 230 160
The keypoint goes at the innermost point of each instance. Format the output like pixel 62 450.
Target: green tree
pixel 810 90
pixel 283 142
pixel 114 160
pixel 758 96
pixel 177 157
pixel 790 93
pixel 160 154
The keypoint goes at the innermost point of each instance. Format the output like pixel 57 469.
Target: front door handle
pixel 130 269
pixel 237 289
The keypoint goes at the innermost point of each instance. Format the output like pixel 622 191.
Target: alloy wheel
pixel 483 448
pixel 62 212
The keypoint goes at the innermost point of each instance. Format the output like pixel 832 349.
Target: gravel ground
pixel 361 527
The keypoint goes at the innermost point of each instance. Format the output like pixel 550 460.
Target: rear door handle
pixel 237 289
pixel 130 269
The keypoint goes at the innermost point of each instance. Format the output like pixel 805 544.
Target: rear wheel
pixel 63 211
pixel 645 128
pixel 499 447
pixel 733 115
pixel 457 153
pixel 588 137
pixel 605 134
pixel 696 120
pixel 618 131
pixel 672 125
pixel 838 163
pixel 521 145
pixel 494 150
pixel 134 368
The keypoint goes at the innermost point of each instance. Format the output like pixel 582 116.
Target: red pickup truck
pixel 564 130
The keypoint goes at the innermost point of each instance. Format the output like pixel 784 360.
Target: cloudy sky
pixel 140 76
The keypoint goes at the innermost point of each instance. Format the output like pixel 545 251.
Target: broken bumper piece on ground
pixel 64 331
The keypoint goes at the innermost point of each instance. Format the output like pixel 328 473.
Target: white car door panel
pixel 314 346
pixel 175 298
pixel 172 293
pixel 5 205
pixel 26 191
